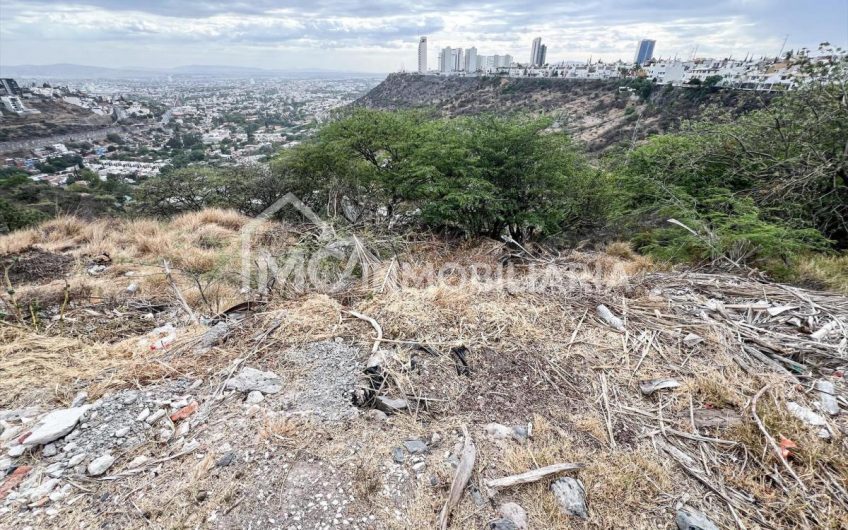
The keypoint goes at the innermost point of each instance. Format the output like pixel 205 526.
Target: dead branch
pixel 178 293
pixel 770 440
pixel 531 476
pixel 460 479
pixel 376 327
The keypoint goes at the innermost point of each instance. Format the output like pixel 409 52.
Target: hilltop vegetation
pixel 599 114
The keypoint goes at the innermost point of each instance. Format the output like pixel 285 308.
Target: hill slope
pixel 597 112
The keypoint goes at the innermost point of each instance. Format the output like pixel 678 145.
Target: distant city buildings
pixel 9 87
pixel 645 51
pixel 538 52
pixel 422 55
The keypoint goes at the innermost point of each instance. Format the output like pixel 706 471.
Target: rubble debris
pixel 809 417
pixel 327 391
pixel 398 455
pixel 13 480
pixel 79 399
pixel 184 412
pixel 650 386
pixel 827 397
pixel 612 320
pixel 214 336
pixel 254 396
pixel 54 425
pixel 100 465
pixel 571 496
pixel 249 379
pixel 132 288
pixel 689 518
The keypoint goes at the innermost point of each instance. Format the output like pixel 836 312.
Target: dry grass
pixel 827 271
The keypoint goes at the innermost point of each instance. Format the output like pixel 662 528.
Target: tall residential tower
pixel 422 55
pixel 535 51
pixel 645 52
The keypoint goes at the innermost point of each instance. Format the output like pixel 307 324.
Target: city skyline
pixel 336 36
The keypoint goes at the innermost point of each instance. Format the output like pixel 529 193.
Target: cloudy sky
pixel 382 35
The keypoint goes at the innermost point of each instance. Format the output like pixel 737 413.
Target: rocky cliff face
pixel 596 112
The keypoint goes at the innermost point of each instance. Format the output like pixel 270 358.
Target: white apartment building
pixel 422 55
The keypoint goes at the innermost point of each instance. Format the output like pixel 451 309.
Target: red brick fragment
pixel 184 412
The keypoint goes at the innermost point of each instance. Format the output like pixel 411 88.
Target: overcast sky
pixel 382 35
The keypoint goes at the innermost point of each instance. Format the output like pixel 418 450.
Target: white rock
pixel 43 490
pixel 132 288
pixel 251 410
pixel 255 396
pixel 62 493
pixel 138 462
pixel 143 415
pixel 156 416
pixel 16 450
pixel 69 447
pixel 55 469
pixel 76 460
pixel 99 465
pixel 5 464
pixel 252 379
pixel 120 433
pixel 55 425
pixel 49 450
pixel 79 399
pixel 688 518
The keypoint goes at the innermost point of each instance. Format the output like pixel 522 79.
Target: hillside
pixel 139 390
pixel 595 111
pixel 55 118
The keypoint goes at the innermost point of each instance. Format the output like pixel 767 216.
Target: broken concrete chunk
pixel 99 465
pixel 389 405
pixel 689 518
pixel 55 425
pixel 809 417
pixel 515 514
pixel 652 385
pixel 607 316
pixel 827 397
pixel 252 379
pixel 571 496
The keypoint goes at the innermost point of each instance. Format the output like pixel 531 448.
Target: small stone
pixel 419 467
pixel 435 438
pixel 5 465
pixel 61 494
pixel 226 459
pixel 100 465
pixel 515 514
pixel 42 490
pixel 252 410
pixel 80 399
pixel 252 379
pixel 502 523
pixel 132 288
pixel 143 415
pixel 827 397
pixel 156 416
pixel 689 518
pixel 76 460
pixel 16 450
pixel 477 497
pixel 49 450
pixel 255 396
pixel 377 415
pixel 519 433
pixel 416 447
pixel 137 462
pixel 120 433
pixel 398 455
pixel 55 469
pixel 389 405
pixel 69 447
pixel 129 397
pixel 571 496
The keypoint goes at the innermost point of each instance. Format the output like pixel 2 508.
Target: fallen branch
pixel 460 479
pixel 777 452
pixel 532 476
pixel 178 293
pixel 376 327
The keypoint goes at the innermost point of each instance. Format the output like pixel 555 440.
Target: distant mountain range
pixel 78 71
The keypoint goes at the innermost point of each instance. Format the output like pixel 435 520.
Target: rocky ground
pixel 616 396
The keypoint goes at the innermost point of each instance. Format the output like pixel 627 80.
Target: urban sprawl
pixel 749 73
